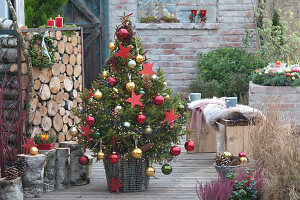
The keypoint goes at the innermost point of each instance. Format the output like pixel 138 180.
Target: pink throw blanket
pixel 197 113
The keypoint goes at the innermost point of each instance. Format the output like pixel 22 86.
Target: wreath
pixel 42 57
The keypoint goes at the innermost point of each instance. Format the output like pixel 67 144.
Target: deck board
pixel 180 184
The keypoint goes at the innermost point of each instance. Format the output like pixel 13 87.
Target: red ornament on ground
pixel 123 33
pixel 112 81
pixel 114 158
pixel 189 145
pixel 84 160
pixel 175 150
pixel 115 185
pixel 242 154
pixel 158 100
pixel 90 120
pixel 141 118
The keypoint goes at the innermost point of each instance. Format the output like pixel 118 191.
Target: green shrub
pixel 37 12
pixel 225 72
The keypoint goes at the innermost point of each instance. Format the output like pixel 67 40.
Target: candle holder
pixel 202 16
pixel 193 15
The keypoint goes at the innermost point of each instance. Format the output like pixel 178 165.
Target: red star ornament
pixel 28 144
pixel 115 185
pixel 170 116
pixel 86 130
pixel 135 99
pixel 124 52
pixel 91 95
pixel 147 69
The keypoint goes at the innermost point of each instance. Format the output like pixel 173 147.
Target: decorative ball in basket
pixel 131 122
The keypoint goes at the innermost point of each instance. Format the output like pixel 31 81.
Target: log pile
pixel 57 90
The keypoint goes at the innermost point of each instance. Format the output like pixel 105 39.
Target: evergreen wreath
pixel 38 56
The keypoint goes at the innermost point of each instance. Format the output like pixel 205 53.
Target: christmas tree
pixel 129 111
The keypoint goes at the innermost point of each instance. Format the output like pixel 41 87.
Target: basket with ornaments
pixel 277 74
pixel 226 163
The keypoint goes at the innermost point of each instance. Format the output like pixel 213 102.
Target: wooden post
pixel 78 172
pixel 62 180
pixel 11 190
pixel 49 169
pixel 33 179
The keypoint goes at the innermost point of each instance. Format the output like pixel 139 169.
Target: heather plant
pixel 216 190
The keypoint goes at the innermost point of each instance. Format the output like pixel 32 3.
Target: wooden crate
pixel 235 136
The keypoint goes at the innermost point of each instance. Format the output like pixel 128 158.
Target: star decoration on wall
pixel 28 144
pixel 115 185
pixel 124 52
pixel 91 95
pixel 135 99
pixel 147 69
pixel 170 116
pixel 86 130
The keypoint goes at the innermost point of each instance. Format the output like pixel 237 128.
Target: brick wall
pixel 176 46
pixel 287 97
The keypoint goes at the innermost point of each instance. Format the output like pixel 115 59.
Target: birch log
pixel 49 169
pixel 11 189
pixel 62 167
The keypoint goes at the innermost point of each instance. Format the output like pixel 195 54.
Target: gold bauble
pixel 100 155
pixel 266 72
pixel 165 84
pixel 259 74
pixel 139 58
pixel 34 151
pixel 148 130
pixel 243 160
pixel 112 46
pixel 98 94
pixel 227 154
pixel 130 86
pixel 293 78
pixel 137 153
pixel 115 90
pixel 287 71
pixel 166 96
pixel 105 74
pixel 74 131
pixel 292 74
pixel 150 171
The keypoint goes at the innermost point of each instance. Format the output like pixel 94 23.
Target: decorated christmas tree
pixel 129 113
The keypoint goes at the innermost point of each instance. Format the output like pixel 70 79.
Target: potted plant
pixel 44 141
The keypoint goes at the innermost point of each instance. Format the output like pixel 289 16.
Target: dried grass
pixel 276 149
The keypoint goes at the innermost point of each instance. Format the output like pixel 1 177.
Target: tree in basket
pixel 128 114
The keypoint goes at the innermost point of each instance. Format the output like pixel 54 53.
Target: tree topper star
pixel 28 144
pixel 115 185
pixel 124 52
pixel 147 69
pixel 135 99
pixel 170 116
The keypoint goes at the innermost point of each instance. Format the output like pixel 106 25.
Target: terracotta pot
pixel 45 146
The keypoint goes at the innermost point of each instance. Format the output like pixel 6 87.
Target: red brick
pixel 171 46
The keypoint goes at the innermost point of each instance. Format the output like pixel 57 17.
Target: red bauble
pixel 295 69
pixel 158 100
pixel 175 150
pixel 189 145
pixel 141 118
pixel 90 120
pixel 242 154
pixel 288 74
pixel 114 158
pixel 123 33
pixel 84 160
pixel 112 81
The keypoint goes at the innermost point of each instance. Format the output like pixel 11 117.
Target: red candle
pixel 50 22
pixel 194 12
pixel 59 21
pixel 203 13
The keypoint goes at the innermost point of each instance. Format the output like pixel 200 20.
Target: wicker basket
pixel 131 172
pixel 224 171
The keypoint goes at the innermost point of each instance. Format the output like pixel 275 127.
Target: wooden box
pixel 234 136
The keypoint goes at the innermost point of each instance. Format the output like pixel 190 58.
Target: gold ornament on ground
pixel 74 131
pixel 137 153
pixel 130 86
pixel 100 155
pixel 105 74
pixel 139 58
pixel 112 46
pixel 243 160
pixel 150 171
pixel 98 94
pixel 34 151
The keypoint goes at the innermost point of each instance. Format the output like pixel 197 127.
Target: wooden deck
pixel 180 184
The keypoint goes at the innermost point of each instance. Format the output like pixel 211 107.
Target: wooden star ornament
pixel 135 99
pixel 124 52
pixel 86 130
pixel 115 185
pixel 170 116
pixel 147 69
pixel 28 144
